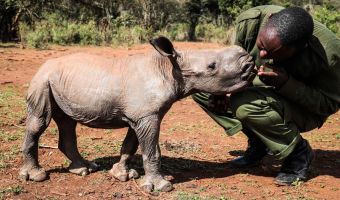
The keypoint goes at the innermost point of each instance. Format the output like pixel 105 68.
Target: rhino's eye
pixel 212 65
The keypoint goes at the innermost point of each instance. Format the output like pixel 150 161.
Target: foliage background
pixel 37 23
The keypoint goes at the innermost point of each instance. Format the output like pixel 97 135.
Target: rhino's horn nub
pixel 163 45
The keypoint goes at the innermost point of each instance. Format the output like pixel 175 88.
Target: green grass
pixel 52 130
pixel 181 147
pixel 8 45
pixel 15 190
pixel 12 106
pixel 188 196
pixel 337 136
pixel 7 156
pixel 10 136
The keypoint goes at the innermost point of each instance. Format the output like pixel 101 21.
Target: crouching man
pixel 297 88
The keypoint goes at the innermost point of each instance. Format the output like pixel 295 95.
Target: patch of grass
pixel 15 190
pixel 172 129
pixel 301 197
pixel 108 131
pixel 203 189
pixel 67 162
pixel 7 156
pixel 6 136
pixel 3 163
pixel 7 44
pixel 187 196
pixel 14 151
pixel 53 130
pixel 12 106
pixel 181 147
pixel 297 183
pixel 113 146
pixel 85 154
pixel 337 136
pixel 99 148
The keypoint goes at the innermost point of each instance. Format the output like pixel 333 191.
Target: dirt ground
pixel 195 151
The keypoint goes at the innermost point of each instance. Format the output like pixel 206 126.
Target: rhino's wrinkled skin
pixel 133 92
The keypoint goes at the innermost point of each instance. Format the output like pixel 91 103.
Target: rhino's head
pixel 214 71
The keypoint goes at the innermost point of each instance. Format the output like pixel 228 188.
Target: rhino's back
pixel 86 87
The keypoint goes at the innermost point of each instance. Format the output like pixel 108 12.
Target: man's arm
pixel 312 99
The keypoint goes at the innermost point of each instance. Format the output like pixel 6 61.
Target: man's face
pixel 269 44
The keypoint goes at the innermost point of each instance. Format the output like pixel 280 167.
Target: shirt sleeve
pixel 246 28
pixel 311 99
pixel 240 34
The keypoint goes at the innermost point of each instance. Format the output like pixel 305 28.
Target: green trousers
pixel 271 117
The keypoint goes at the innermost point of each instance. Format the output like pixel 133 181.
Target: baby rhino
pixel 133 92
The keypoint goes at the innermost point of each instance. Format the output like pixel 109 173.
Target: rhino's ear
pixel 164 46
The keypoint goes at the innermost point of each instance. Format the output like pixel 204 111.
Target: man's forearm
pixel 309 98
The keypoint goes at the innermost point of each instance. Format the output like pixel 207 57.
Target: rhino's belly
pixel 95 115
pixel 100 123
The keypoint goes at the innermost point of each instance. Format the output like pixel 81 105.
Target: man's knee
pixel 246 104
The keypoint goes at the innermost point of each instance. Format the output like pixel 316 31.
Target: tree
pixel 192 11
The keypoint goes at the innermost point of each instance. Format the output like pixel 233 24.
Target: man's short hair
pixel 294 25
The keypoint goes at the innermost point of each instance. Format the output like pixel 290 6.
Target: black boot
pixel 295 166
pixel 256 150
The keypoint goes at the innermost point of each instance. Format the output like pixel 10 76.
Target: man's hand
pixel 276 78
pixel 218 103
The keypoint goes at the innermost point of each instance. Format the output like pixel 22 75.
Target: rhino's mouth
pixel 248 73
pixel 247 68
pixel 249 77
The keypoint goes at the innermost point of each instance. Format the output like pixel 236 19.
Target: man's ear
pixel 164 46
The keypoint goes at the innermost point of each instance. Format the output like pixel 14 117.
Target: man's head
pixel 284 34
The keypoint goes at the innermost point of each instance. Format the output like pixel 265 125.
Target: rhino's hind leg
pixel 68 145
pixel 121 170
pixel 31 169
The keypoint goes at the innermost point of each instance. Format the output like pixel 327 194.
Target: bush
pixel 89 34
pixel 67 33
pixel 329 17
pixel 213 33
pixel 177 31
pixel 62 33
pixel 140 34
pixel 130 35
pixel 121 35
pixel 39 37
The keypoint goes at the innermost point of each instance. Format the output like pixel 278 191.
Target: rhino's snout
pixel 248 68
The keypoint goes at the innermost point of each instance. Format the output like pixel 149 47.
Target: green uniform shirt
pixel 314 74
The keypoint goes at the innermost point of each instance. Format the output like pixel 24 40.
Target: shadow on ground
pixel 184 169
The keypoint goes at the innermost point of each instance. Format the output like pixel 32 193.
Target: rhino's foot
pixel 122 173
pixel 83 169
pixel 155 183
pixel 33 173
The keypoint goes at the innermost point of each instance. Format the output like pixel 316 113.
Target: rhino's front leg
pixel 121 169
pixel 147 130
